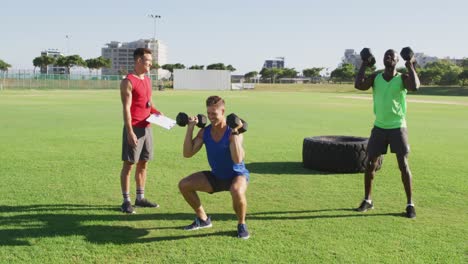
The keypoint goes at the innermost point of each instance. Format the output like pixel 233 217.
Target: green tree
pixel 344 73
pixel 287 73
pixel 464 63
pixel 312 72
pixel 250 75
pixel 3 68
pixel 442 72
pixel 98 63
pixel 155 65
pixel 216 66
pixel 172 67
pixel 70 62
pixel 230 68
pixel 463 76
pixel 197 67
pixel 270 74
pixel 42 62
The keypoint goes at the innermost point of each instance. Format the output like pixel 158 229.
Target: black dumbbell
pixel 407 53
pixel 234 121
pixel 182 120
pixel 366 55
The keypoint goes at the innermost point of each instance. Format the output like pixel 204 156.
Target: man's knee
pixel 142 165
pixel 371 164
pixel 238 188
pixel 127 167
pixel 184 185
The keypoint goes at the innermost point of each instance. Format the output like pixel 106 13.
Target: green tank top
pixel 389 102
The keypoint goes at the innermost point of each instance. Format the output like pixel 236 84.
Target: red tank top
pixel 141 96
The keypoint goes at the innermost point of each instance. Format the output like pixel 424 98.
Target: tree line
pixel 442 72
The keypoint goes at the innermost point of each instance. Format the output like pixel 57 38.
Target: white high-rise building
pixel 121 55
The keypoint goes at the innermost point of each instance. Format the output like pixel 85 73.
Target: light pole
pixel 68 37
pixel 154 17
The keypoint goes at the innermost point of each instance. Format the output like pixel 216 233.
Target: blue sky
pixel 308 33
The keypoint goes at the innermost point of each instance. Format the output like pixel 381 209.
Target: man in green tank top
pixel 389 90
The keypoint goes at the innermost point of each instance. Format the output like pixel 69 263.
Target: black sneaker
pixel 410 211
pixel 127 208
pixel 365 206
pixel 242 231
pixel 145 203
pixel 198 224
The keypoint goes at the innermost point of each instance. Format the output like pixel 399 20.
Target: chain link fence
pixel 31 80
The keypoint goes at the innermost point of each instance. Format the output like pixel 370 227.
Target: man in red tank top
pixel 137 139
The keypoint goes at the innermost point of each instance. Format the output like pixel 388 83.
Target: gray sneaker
pixel 365 206
pixel 198 224
pixel 145 203
pixel 127 208
pixel 242 231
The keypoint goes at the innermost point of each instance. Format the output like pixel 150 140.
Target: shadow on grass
pixel 305 214
pixel 22 223
pixel 281 167
pixel 442 91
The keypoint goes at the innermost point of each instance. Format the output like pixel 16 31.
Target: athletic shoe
pixel 410 211
pixel 365 206
pixel 127 208
pixel 198 224
pixel 242 231
pixel 145 203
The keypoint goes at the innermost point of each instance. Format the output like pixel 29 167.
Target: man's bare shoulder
pixel 126 84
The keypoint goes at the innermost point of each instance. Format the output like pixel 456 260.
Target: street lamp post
pixel 68 37
pixel 154 17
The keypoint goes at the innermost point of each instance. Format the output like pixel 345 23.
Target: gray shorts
pixel 380 138
pixel 143 150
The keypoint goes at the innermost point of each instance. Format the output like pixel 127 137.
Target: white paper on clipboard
pixel 162 121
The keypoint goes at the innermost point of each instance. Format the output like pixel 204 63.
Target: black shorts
pixel 380 138
pixel 219 185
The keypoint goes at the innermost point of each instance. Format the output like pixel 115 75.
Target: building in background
pixel 53 69
pixel 351 57
pixel 422 59
pixel 202 79
pixel 277 62
pixel 121 55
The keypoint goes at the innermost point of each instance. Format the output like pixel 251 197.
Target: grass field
pixel 60 166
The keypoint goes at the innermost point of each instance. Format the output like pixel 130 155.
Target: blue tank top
pixel 219 156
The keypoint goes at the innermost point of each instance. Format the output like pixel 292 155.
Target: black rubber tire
pixel 342 154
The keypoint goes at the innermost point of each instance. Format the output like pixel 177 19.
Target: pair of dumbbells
pixel 366 55
pixel 232 120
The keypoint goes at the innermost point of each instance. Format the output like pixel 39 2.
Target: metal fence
pixel 30 80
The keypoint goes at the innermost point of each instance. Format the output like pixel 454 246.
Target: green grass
pixel 60 165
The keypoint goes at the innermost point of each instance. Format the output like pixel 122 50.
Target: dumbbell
pixel 234 121
pixel 407 53
pixel 366 55
pixel 182 119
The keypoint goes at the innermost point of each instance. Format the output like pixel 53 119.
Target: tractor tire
pixel 341 154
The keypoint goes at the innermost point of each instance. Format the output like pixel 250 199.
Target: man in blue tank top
pixel 226 158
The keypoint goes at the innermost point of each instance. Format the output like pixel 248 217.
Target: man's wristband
pixel 234 132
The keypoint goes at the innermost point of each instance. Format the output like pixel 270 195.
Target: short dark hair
pixel 214 100
pixel 140 52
